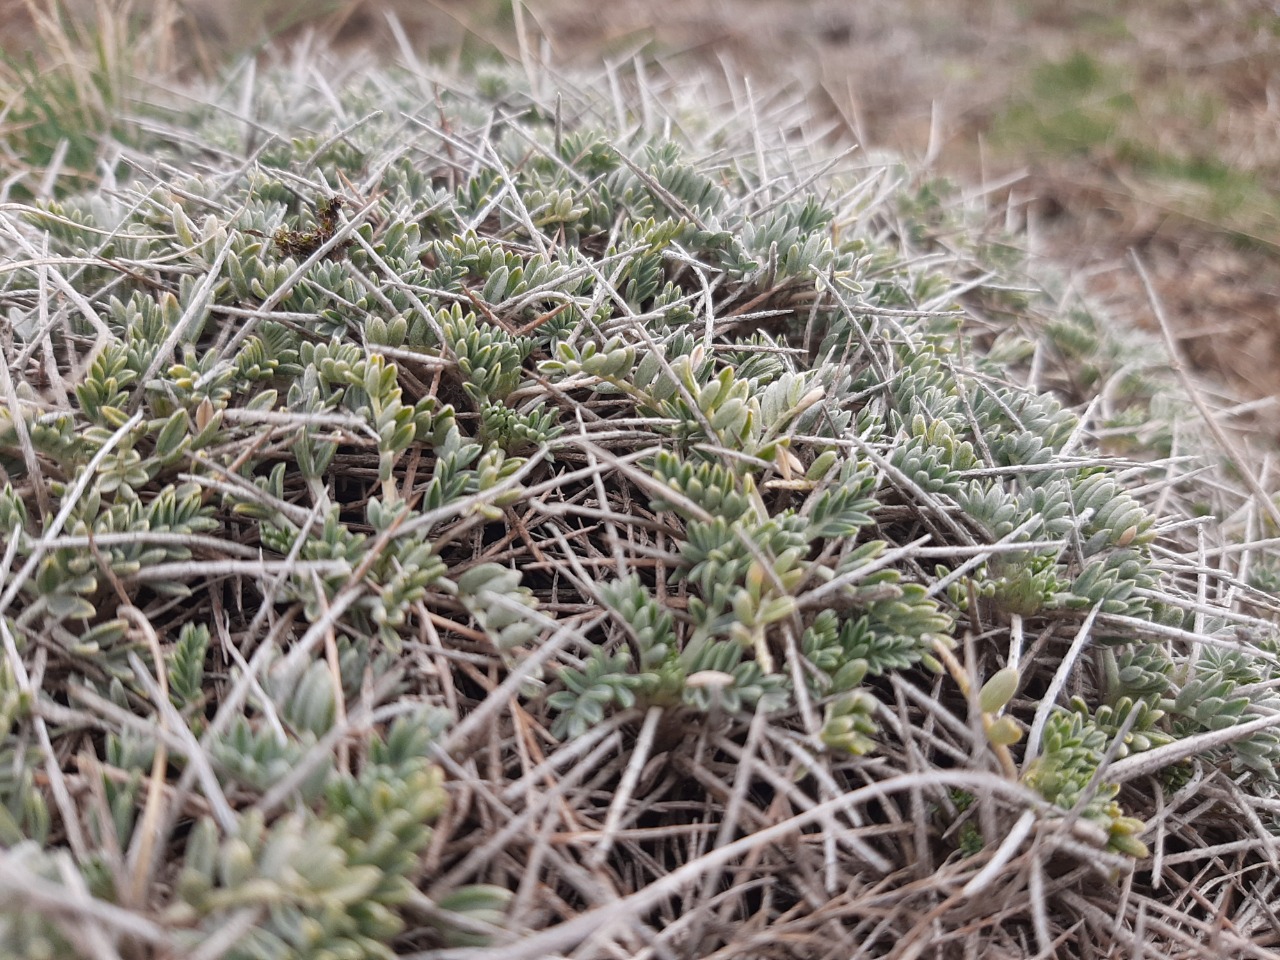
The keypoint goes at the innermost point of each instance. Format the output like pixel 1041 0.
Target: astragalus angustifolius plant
pixel 465 522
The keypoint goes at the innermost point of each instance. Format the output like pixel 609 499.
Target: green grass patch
pixel 1074 106
pixel 1081 107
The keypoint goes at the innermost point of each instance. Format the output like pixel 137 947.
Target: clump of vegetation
pixel 460 522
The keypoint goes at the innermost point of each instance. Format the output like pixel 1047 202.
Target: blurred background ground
pixel 1093 127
